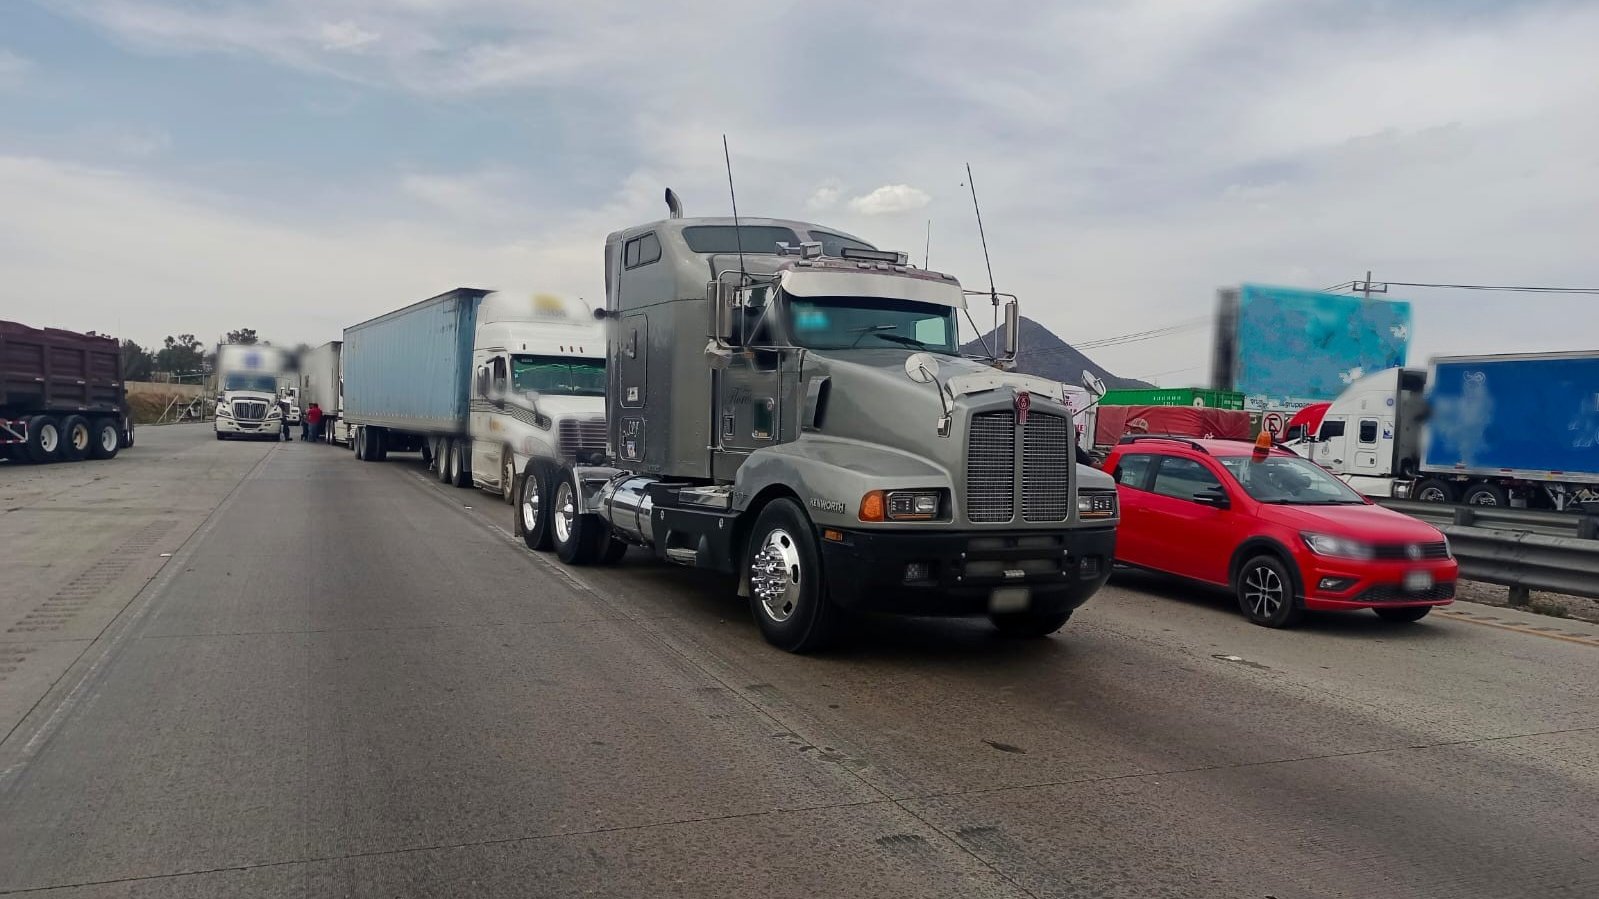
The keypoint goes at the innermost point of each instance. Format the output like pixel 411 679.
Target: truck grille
pixel 1046 468
pixel 991 467
pixel 249 410
pixel 581 436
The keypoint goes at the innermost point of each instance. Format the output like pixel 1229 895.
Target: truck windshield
pixel 558 375
pixel 841 323
pixel 1295 482
pixel 245 381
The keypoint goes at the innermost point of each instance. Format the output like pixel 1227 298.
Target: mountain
pixel 1048 356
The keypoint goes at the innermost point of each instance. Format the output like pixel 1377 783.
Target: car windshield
pixel 558 375
pixel 246 381
pixel 840 323
pixel 1289 481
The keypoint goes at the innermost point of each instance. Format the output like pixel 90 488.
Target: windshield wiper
pixel 869 329
pixel 902 339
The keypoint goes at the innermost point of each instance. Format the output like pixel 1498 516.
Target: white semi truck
pixel 486 385
pixel 247 391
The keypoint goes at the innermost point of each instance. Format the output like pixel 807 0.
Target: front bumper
pixel 1374 584
pixel 267 428
pixel 1059 570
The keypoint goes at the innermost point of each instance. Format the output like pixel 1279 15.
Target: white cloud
pixel 824 197
pixel 890 199
pixel 13 69
pixel 346 36
pixel 132 141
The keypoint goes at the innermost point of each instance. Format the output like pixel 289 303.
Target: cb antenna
pixel 738 232
pixel 927 251
pixel 992 293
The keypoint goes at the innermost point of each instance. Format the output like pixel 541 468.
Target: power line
pixel 1355 285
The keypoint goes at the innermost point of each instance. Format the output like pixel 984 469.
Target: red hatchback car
pixel 1274 528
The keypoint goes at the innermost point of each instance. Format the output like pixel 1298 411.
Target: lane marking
pixel 1530 630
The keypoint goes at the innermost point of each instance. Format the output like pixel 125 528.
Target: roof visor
pixel 877 285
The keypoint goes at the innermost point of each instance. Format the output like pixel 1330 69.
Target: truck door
pixel 1371 437
pixel 749 394
pixel 1331 446
pixel 487 425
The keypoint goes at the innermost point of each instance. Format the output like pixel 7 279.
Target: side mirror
pixel 921 367
pixel 1216 499
pixel 722 298
pixel 1013 339
pixel 1092 384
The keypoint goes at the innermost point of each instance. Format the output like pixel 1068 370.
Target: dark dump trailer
pixel 62 397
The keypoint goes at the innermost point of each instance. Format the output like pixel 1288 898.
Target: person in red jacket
pixel 313 416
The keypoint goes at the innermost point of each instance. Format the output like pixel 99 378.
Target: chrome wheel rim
pixel 775 575
pixel 1263 591
pixel 531 502
pixel 1484 498
pixel 564 512
pixel 1431 495
pixel 49 438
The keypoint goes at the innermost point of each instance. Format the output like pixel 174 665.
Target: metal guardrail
pixel 1523 549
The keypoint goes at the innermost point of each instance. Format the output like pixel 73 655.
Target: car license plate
pixel 1418 582
pixel 1009 599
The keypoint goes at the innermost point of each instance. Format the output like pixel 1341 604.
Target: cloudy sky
pixel 299 165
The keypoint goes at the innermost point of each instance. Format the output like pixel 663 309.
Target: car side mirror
pixel 1214 498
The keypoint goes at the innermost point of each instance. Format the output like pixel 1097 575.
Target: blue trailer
pixel 408 374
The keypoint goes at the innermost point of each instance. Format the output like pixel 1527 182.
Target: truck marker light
pixel 872 506
pixel 830 534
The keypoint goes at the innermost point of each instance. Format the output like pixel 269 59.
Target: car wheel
pixel 106 440
pixel 787 595
pixel 532 509
pixel 1486 495
pixel 1030 624
pixel 1434 490
pixel 1266 592
pixel 1403 613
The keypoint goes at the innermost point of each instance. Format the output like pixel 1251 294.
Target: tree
pixel 137 363
pixel 243 335
pixel 181 354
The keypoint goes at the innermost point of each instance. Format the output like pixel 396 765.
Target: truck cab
pixel 247 391
pixel 1371 434
pixel 788 404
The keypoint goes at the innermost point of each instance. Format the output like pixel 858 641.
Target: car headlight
pixel 1337 547
pixel 1096 504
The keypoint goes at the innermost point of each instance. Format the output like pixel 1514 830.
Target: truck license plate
pixel 1009 599
pixel 1418 582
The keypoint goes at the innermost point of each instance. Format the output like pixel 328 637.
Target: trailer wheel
pixel 378 451
pixel 44 439
pixel 1434 490
pixel 1486 495
pixel 578 538
pixel 460 463
pixel 76 438
pixel 533 507
pixel 106 440
pixel 127 432
pixel 788 595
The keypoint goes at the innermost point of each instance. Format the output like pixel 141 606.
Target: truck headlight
pixel 1337 547
pixel 1096 504
pixel 275 413
pixel 901 505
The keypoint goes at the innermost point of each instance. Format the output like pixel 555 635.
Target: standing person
pixel 313 418
pixel 305 428
pixel 283 420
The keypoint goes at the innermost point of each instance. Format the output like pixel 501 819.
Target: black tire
pixel 1433 490
pixel 378 449
pixel 1267 592
pixel 461 463
pixel 1491 495
pixel 1030 624
pixel 76 438
pixel 579 539
pixel 1403 613
pixel 220 436
pixel 44 439
pixel 427 455
pixel 441 460
pixel 358 443
pixel 127 432
pixel 613 552
pixel 788 593
pixel 105 439
pixel 533 519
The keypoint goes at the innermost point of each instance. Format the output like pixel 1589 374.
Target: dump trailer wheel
pixel 76 438
pixel 788 595
pixel 44 439
pixel 106 438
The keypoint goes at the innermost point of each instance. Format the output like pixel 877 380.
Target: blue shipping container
pixel 411 369
pixel 1532 414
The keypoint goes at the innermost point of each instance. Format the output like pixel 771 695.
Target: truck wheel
pixel 788 596
pixel 578 538
pixel 460 463
pixel 1434 490
pixel 106 440
pixel 1030 624
pixel 127 432
pixel 44 439
pixel 1266 592
pixel 358 443
pixel 441 460
pixel 1486 495
pixel 507 476
pixel 613 552
pixel 76 438
pixel 533 508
